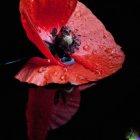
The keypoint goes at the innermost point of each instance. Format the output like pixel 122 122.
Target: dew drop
pixel 65 69
pixel 48 60
pixel 41 69
pixel 55 73
pixel 75 30
pixel 77 14
pixel 85 35
pixel 99 72
pixel 72 22
pixel 63 77
pixel 46 76
pixel 109 50
pixel 105 36
pixel 86 47
pixel 102 46
pixel 80 77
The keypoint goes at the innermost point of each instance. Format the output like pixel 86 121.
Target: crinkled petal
pixel 98 51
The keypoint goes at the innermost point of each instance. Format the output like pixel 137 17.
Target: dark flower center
pixel 64 44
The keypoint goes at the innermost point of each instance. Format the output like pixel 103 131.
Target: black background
pixel 108 110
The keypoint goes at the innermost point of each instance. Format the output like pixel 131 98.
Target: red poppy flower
pixel 78 49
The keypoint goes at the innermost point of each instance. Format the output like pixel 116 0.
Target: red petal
pixel 43 114
pixel 48 14
pixel 33 68
pixel 98 51
pixel 40 62
pixel 38 113
pixel 98 56
pixel 39 17
pixel 36 72
pixel 62 112
pixel 34 37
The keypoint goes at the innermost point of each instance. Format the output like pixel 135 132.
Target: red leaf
pixel 39 17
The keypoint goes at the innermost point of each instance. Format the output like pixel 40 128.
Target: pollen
pixel 67 40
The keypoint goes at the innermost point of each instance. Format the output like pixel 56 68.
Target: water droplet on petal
pixel 46 76
pixel 102 46
pixel 65 69
pixel 77 14
pixel 80 77
pixel 72 22
pixel 105 35
pixel 75 30
pixel 55 73
pixel 99 72
pixel 63 77
pixel 109 50
pixel 41 69
pixel 86 47
pixel 85 35
pixel 48 60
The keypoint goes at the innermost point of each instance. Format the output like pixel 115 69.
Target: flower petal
pixel 63 111
pixel 35 72
pixel 43 113
pixel 98 51
pixel 38 113
pixel 35 38
pixel 39 17
pixel 48 14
